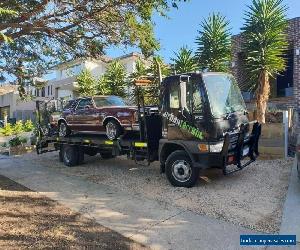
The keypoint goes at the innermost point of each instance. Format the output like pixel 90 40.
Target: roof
pixel 103 58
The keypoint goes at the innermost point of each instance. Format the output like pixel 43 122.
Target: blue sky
pixel 181 28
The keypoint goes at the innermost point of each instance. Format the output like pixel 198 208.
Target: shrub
pixel 17 141
pixel 18 128
pixel 28 126
pixel 7 130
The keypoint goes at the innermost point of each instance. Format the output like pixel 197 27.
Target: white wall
pixel 65 93
pixel 97 68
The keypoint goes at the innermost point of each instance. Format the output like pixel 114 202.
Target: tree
pixel 264 47
pixel 46 32
pixel 214 43
pixel 3 14
pixel 86 83
pixel 113 82
pixel 184 61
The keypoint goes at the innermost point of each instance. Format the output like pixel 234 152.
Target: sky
pixel 182 26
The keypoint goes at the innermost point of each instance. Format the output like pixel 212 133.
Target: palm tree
pixel 214 43
pixel 184 61
pixel 264 47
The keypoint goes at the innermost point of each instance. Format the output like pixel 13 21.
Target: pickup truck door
pixel 82 118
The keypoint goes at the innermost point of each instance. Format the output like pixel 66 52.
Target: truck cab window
pixel 195 104
pixel 174 97
pixel 197 101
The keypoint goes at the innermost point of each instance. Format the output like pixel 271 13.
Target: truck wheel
pixel 298 169
pixel 113 130
pixel 63 129
pixel 70 155
pixel 106 155
pixel 180 171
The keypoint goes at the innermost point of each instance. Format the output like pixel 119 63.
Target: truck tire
pixel 106 155
pixel 70 155
pixel 180 171
pixel 298 170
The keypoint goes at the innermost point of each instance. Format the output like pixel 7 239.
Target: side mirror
pixel 87 107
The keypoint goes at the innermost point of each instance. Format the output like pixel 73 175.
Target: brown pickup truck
pixel 107 114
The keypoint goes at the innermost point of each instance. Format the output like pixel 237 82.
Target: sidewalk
pixel 291 213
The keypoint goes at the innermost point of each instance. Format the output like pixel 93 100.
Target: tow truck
pixel 201 123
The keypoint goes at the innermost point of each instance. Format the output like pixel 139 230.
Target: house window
pixel 48 90
pixel 43 92
pixel 51 90
pixel 37 92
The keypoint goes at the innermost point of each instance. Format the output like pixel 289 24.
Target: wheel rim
pixel 181 170
pixel 62 129
pixel 111 130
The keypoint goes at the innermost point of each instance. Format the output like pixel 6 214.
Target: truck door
pixel 173 104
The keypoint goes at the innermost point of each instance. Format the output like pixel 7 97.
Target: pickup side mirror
pixel 87 107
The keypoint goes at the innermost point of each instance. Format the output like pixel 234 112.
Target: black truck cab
pixel 204 117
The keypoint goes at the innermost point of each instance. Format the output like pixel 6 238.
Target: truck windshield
pixel 224 94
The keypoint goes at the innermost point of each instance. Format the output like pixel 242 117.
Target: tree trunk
pixel 262 96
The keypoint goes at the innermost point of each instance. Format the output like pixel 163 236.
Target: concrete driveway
pixel 156 223
pixel 143 220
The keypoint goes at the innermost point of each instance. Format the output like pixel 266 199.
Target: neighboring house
pixel 285 90
pixel 62 85
pixel 12 106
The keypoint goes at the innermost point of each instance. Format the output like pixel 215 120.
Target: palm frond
pixel 214 43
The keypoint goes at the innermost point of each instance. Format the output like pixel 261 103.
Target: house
pixel 11 105
pixel 64 86
pixel 285 89
pixel 61 85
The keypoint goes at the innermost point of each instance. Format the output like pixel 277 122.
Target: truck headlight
pixel 216 148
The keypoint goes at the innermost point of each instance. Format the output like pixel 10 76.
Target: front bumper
pixel 235 149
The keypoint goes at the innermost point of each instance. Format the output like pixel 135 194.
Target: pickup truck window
pixel 83 103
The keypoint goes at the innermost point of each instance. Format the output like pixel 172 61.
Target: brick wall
pixel 293 33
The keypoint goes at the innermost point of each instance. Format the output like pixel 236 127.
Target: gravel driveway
pixel 252 198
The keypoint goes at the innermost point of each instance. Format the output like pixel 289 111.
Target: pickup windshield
pixel 224 94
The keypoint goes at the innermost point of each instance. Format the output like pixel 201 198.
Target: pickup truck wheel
pixel 113 130
pixel 180 171
pixel 70 155
pixel 298 170
pixel 63 129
